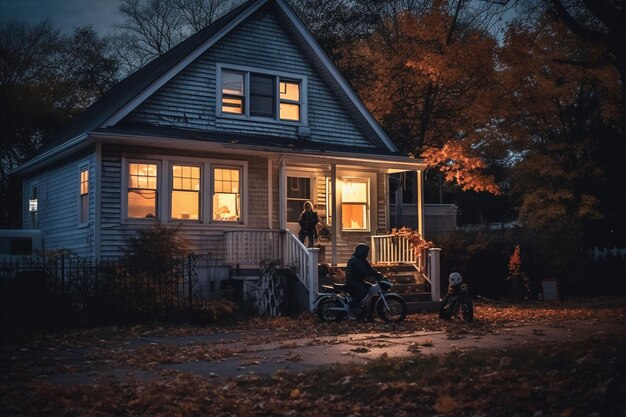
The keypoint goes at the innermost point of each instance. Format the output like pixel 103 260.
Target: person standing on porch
pixel 308 220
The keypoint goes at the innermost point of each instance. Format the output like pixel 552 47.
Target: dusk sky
pixel 65 14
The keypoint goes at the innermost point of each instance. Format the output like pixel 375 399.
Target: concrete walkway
pixel 309 353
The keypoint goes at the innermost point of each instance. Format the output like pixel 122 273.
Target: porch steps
pixel 411 285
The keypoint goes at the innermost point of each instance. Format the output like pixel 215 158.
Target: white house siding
pixel 59 207
pixel 189 99
pixel 205 239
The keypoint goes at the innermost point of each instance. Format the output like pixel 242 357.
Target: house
pixel 226 135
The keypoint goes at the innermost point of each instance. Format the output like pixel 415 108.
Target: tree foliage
pixel 153 27
pixel 45 79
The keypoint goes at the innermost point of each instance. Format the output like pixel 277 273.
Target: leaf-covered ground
pixel 564 379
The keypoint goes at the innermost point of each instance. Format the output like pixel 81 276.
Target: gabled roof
pixel 129 93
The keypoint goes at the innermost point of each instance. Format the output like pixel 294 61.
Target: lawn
pixel 562 379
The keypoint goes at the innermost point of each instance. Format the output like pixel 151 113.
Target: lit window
pixel 233 92
pixel 185 192
pixel 354 204
pixel 142 190
pixel 84 195
pixel 289 100
pixel 226 194
pixel 261 95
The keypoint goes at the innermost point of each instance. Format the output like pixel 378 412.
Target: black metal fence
pixel 66 290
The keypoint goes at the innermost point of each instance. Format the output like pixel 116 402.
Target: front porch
pixel 247 249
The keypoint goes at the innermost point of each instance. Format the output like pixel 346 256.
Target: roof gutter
pixel 399 162
pixel 52 155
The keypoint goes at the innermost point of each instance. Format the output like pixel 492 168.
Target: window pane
pixel 142 204
pixel 142 176
pixel 232 105
pixel 294 208
pixel 84 182
pixel 354 217
pixel 290 90
pixel 354 191
pixel 262 85
pixel 261 106
pixel 226 207
pixel 186 177
pixel 185 205
pixel 289 111
pixel 84 208
pixel 232 83
pixel 299 188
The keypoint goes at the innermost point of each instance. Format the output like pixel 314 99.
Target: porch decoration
pixel 268 295
pixel 517 287
pixel 418 243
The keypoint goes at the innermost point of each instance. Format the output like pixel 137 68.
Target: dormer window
pixel 260 95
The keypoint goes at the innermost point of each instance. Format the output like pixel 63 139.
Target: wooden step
pixel 422 306
pixel 416 296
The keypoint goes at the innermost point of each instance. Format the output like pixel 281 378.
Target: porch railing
pixel 396 249
pixel 248 248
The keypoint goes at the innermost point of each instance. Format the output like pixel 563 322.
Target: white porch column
pixel 433 273
pixel 420 202
pixel 333 227
pixel 282 195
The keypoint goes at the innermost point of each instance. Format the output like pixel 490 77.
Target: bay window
pixel 355 204
pixel 142 190
pixel 185 192
pixel 226 194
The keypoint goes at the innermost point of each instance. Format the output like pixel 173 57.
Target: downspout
pixel 333 226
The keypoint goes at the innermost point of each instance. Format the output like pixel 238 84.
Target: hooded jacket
pixel 358 269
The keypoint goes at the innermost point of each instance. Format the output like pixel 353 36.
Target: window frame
pixel 367 204
pixel 171 190
pixel 126 187
pixel 213 167
pixel 164 203
pixel 84 167
pixel 278 76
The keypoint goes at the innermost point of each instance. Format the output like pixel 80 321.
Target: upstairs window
pixel 142 190
pixel 260 95
pixel 289 100
pixel 84 195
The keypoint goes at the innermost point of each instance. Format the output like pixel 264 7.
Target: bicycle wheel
pixel 327 310
pixel 396 310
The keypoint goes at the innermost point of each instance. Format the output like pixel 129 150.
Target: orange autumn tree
pixel 433 86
